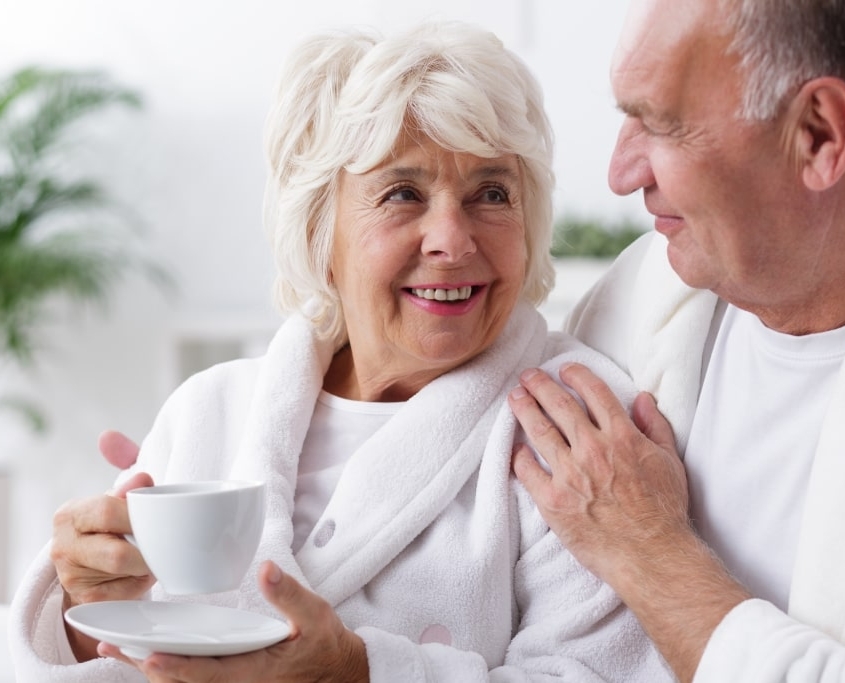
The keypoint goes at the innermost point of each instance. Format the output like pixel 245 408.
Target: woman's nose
pixel 448 232
pixel 630 167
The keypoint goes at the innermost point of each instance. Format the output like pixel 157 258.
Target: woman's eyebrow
pixel 396 173
pixel 497 171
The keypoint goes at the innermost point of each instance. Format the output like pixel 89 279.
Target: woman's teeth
pixel 458 294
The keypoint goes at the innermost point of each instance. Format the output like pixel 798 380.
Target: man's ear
pixel 821 132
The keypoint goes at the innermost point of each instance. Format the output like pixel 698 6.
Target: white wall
pixel 191 164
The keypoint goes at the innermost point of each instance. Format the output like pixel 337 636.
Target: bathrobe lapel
pixel 669 335
pixel 289 381
pixel 399 481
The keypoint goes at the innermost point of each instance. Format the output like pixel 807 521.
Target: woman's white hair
pixel 342 103
pixel 781 45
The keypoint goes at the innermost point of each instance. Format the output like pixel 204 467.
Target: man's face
pixel 723 191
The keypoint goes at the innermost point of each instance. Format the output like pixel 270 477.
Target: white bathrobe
pixel 435 555
pixel 655 327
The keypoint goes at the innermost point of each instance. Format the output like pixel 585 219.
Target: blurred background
pixel 175 145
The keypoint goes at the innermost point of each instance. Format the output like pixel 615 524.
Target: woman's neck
pixel 349 380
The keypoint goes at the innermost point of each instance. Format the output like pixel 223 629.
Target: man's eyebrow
pixel 633 109
pixel 642 110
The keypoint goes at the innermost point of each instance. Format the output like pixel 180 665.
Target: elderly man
pixel 732 318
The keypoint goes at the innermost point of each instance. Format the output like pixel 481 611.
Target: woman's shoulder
pixel 203 415
pixel 225 376
pixel 564 348
pixel 212 393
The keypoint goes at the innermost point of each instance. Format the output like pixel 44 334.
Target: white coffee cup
pixel 197 537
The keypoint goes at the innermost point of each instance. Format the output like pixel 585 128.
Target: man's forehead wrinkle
pixel 627 80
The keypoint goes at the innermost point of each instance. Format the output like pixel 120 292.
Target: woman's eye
pixel 496 195
pixel 401 194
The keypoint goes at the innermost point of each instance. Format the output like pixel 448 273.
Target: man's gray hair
pixel 783 44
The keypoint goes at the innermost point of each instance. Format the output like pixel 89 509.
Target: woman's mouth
pixel 443 294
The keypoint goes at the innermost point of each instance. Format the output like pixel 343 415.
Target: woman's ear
pixel 821 132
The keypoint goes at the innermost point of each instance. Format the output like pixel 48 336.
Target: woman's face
pixel 429 260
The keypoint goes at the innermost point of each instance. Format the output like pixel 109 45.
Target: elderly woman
pixel 409 206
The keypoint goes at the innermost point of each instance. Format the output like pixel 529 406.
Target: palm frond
pixel 26 409
pixel 17 84
pixel 61 236
pixel 594 238
pixel 38 105
pixel 33 198
pixel 71 265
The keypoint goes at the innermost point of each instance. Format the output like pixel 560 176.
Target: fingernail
pixel 518 393
pixel 528 374
pixel 274 574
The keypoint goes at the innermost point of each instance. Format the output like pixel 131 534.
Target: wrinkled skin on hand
pixel 320 648
pixel 616 495
pixel 616 482
pixel 93 561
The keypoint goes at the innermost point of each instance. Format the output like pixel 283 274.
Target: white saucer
pixel 140 628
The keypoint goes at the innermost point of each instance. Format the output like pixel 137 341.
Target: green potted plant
pixel 593 238
pixel 61 236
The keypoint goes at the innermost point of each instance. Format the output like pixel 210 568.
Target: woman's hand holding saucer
pixel 320 647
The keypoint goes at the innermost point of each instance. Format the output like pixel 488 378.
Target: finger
pixel 650 421
pixel 601 403
pixel 548 413
pixel 532 475
pixel 118 449
pixel 165 668
pixel 96 515
pixel 244 668
pixel 88 535
pixel 101 568
pixel 285 593
pixel 113 651
pixel 158 668
pixel 136 481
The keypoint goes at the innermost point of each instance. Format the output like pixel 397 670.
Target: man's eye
pixel 660 129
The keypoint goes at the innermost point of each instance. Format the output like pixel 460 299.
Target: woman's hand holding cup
pixel 93 561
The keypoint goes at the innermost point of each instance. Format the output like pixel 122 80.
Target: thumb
pixel 651 422
pixel 288 596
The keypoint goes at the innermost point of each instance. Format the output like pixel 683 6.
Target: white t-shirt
pixel 338 427
pixel 751 447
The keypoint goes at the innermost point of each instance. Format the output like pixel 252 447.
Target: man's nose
pixel 630 167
